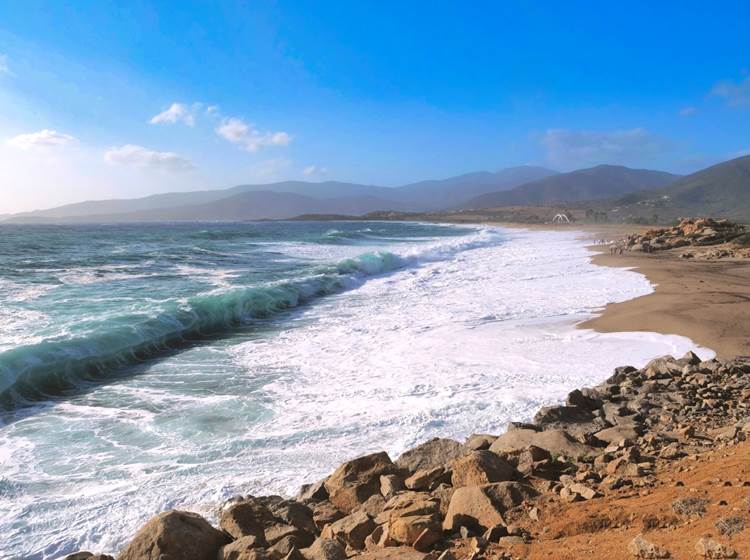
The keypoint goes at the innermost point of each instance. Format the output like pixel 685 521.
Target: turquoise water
pixel 83 303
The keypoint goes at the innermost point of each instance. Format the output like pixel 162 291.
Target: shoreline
pixel 705 301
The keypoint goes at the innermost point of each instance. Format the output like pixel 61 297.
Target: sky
pixel 103 99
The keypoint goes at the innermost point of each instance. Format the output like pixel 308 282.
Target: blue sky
pixel 120 99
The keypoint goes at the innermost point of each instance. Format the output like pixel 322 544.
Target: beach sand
pixel 706 301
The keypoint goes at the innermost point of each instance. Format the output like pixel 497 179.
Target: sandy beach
pixel 706 301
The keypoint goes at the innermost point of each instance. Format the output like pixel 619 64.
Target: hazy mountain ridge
pixel 426 195
pixel 599 182
pixel 719 190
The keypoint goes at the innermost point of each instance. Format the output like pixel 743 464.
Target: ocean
pixel 155 366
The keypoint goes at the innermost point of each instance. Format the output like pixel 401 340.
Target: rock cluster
pixel 698 232
pixel 605 439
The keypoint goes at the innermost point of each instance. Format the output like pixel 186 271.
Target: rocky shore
pixel 705 238
pixel 501 496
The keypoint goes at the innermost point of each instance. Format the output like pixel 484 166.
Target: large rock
pixel 244 519
pixel 325 513
pixel 482 507
pixel 324 549
pixel 476 442
pixel 246 548
pixel 618 433
pixel 558 442
pixel 433 453
pixel 354 481
pixel 175 534
pixel 480 467
pixel 424 479
pixel 350 530
pixel 410 515
pixel 709 548
pixel 562 415
pixel 641 548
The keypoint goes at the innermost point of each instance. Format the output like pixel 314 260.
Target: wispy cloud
pixel 687 111
pixel 177 113
pixel 248 137
pixel 314 171
pixel 577 148
pixel 138 156
pixel 736 94
pixel 45 138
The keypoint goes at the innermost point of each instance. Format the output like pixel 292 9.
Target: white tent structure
pixel 561 219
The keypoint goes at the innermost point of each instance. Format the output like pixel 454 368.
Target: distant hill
pixel 328 189
pixel 722 190
pixel 446 193
pixel 254 205
pixel 600 182
pixel 328 197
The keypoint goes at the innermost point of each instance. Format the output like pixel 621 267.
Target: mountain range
pixel 720 190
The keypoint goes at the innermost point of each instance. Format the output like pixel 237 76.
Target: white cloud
pixel 736 94
pixel 177 112
pixel 45 138
pixel 578 148
pixel 687 111
pixel 4 68
pixel 314 170
pixel 248 137
pixel 212 110
pixel 138 156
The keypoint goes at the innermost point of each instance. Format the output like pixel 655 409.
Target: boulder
pixel 556 416
pixel 373 505
pixel 325 513
pixel 433 453
pixel 482 507
pixel 245 518
pixel 354 481
pixel 641 548
pixel 586 399
pixel 475 442
pixel 424 479
pixel 390 484
pixel 480 467
pixel 558 442
pixel 324 549
pixel 175 534
pixel 537 462
pixel 709 548
pixel 246 548
pixel 293 513
pixel 412 516
pixel 350 530
pixel 316 492
pixel 276 532
pixel 618 433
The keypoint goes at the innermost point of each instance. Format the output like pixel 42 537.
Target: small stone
pixel 709 548
pixel 641 548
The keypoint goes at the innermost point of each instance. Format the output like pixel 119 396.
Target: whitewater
pixel 161 366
